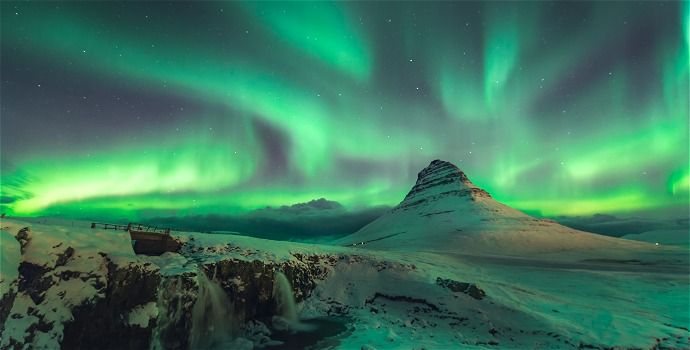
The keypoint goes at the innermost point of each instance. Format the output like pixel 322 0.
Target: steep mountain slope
pixel 445 211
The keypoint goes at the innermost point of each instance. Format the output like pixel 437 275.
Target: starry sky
pixel 165 109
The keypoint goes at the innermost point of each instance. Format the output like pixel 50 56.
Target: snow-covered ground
pixel 9 260
pixel 402 299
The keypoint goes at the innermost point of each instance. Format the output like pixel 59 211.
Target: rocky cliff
pixel 75 298
pixel 74 292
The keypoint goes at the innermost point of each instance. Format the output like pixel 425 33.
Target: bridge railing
pixel 131 226
pixel 106 226
pixel 147 228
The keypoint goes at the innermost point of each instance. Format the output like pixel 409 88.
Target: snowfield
pixel 392 299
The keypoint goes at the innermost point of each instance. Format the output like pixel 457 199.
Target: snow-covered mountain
pixel 445 211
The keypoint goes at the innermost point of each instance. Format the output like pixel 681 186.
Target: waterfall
pixel 212 323
pixel 170 310
pixel 285 301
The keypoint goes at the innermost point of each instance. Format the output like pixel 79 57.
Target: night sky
pixel 163 109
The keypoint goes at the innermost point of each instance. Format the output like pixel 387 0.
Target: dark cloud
pixel 7 199
pixel 318 206
pixel 316 220
pixel 275 145
pixel 614 226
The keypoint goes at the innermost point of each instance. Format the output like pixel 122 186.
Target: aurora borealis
pixel 147 109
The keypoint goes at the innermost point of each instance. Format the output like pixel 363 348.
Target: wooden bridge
pixel 146 239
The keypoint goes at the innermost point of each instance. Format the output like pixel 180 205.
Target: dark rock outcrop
pixel 23 237
pixel 470 289
pixel 102 324
pixel 403 298
pixel 6 305
pixel 34 281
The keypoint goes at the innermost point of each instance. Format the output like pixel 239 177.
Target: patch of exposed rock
pixel 470 289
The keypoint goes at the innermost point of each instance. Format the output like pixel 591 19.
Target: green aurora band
pixel 546 110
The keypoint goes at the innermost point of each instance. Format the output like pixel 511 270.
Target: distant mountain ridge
pixel 445 211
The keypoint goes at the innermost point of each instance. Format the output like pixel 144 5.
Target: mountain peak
pixel 445 169
pixel 441 179
pixel 445 211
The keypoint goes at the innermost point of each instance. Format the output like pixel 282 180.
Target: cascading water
pixel 285 301
pixel 194 312
pixel 212 316
pixel 170 311
pixel 285 304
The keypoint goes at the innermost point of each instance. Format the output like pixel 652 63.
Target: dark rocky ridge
pixel 470 289
pixel 438 173
pixel 124 286
pixel 98 325
pixel 441 179
pixel 6 305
